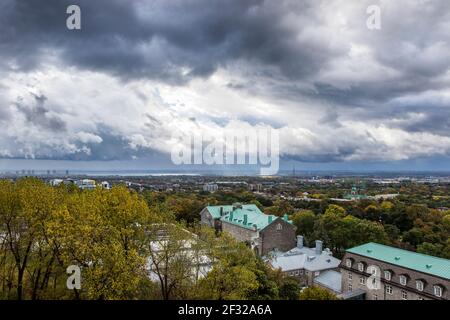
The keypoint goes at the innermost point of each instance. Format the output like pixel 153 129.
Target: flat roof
pixel 330 279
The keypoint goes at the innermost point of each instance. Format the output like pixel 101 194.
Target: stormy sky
pixel 338 93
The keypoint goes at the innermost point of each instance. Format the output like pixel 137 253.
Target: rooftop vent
pixel 237 205
pixel 397 258
pixel 369 250
pixel 429 266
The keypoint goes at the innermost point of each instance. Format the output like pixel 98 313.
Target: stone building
pixel 246 223
pixel 396 274
pixel 311 266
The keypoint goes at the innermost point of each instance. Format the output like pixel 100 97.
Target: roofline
pixel 277 217
pixel 252 228
pixel 342 265
pixel 408 251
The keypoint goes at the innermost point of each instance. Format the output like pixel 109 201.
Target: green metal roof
pixel 215 210
pixel 254 216
pixel 412 260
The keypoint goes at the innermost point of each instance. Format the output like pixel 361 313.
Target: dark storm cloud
pixel 157 39
pixel 338 156
pixel 281 50
pixel 112 147
pixel 38 115
pixel 174 41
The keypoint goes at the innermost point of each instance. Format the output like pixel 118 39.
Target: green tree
pixel 340 231
pixel 232 276
pixel 289 289
pixel 316 293
pixel 304 220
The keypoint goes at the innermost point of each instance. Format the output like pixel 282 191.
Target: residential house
pixel 311 266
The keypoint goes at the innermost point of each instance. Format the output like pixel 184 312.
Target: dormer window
pixel 361 266
pixel 403 280
pixel 437 290
pixel 388 275
pixel 348 263
pixel 419 285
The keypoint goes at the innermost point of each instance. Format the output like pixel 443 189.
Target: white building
pixel 86 184
pixel 106 185
pixel 175 248
pixel 211 187
pixel 307 264
pixel 56 182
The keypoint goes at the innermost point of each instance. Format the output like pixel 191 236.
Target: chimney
pixel 299 242
pixel 270 219
pixel 285 217
pixel 221 211
pixel 245 220
pixel 318 247
pixel 237 205
pixel 231 216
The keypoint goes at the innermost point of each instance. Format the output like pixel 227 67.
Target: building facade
pixel 246 223
pixel 377 272
pixel 309 264
pixel 210 187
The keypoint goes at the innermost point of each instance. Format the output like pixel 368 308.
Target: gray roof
pixel 304 258
pixel 330 279
pixel 352 294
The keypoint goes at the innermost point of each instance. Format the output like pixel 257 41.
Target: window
pixel 404 295
pixel 419 298
pixel 389 289
pixel 317 273
pixel 350 276
pixel 350 288
pixel 361 267
pixel 403 280
pixel 348 263
pixel 375 296
pixel 296 273
pixel 437 291
pixel 419 285
pixel 301 272
pixel 387 275
pixel 279 227
pixel 362 280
